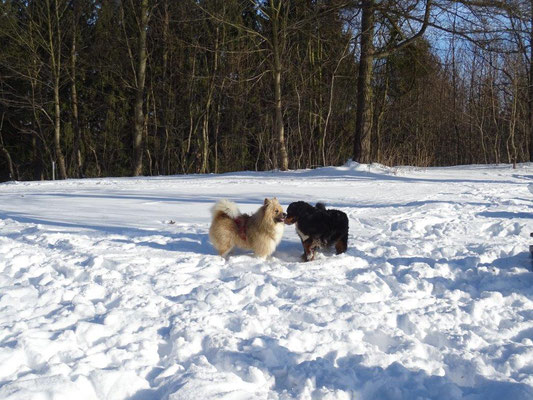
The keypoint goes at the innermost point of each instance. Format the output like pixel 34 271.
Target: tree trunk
pixel 37 151
pixel 38 170
pixel 379 119
pixel 363 116
pixel 9 162
pixel 56 71
pixel 74 98
pixel 57 133
pixel 167 94
pixel 530 88
pixel 511 144
pixel 279 126
pixel 6 152
pixel 210 93
pixel 139 98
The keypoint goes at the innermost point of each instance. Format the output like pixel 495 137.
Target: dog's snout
pixel 288 220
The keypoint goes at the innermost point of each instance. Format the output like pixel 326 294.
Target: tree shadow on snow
pixel 175 241
pixel 197 243
pixel 505 214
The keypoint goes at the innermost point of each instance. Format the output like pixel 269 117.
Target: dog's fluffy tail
pixel 226 207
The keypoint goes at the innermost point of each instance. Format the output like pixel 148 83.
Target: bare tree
pixel 138 65
pixel 277 20
pixel 368 52
pixel 4 150
pixel 276 12
pixel 54 43
pixel 77 154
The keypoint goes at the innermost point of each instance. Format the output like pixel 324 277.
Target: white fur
pixel 226 206
pixel 301 234
pixel 277 237
pixel 279 232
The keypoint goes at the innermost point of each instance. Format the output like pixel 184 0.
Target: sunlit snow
pixel 110 289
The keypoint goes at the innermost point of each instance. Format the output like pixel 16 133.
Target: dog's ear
pixel 267 201
pixel 321 206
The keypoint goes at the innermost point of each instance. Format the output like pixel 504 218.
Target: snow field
pixel 109 289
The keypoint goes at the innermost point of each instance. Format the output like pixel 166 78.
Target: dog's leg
pixel 342 244
pixel 315 245
pixel 305 245
pixel 225 253
pixel 309 249
pixel 262 254
pixel 304 255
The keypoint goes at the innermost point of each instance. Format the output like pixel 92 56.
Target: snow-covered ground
pixel 110 289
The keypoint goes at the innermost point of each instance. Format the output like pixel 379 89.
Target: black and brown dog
pixel 318 227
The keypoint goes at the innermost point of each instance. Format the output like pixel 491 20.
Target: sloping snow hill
pixel 110 289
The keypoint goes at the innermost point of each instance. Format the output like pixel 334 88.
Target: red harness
pixel 240 221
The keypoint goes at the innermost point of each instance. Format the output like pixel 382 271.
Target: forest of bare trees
pixel 156 87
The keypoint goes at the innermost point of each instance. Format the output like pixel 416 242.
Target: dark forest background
pixel 155 87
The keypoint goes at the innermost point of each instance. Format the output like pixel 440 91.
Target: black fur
pixel 318 227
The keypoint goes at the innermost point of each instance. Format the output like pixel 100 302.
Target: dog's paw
pixel 308 257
